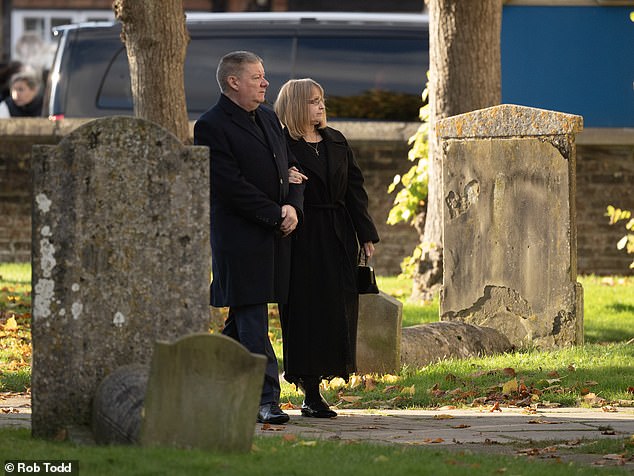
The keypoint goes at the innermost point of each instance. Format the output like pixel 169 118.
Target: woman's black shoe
pixel 317 410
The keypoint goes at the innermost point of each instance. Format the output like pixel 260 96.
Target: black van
pixel 373 66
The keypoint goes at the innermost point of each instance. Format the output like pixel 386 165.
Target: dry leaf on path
pixel 443 416
pixel 269 427
pixel 433 440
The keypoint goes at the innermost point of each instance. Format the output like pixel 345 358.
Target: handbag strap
pixel 363 258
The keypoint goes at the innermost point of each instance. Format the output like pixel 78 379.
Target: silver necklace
pixel 315 147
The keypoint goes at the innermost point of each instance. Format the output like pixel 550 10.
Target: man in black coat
pixel 254 209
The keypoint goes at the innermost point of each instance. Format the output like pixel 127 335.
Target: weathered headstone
pixel 379 334
pixel 510 246
pixel 120 258
pixel 203 392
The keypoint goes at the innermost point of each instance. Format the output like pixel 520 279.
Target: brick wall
pixel 605 174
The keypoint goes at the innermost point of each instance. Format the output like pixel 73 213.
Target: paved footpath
pixel 545 432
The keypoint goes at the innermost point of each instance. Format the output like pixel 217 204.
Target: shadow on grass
pixel 620 307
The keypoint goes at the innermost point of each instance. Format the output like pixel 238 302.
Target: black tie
pixel 257 125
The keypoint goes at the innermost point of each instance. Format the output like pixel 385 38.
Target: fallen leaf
pixel 448 407
pixel 392 388
pixel 289 406
pixel 433 440
pixel 509 387
pixel 370 383
pixel 306 443
pixel 572 368
pixel 495 407
pixel 593 399
pixel 613 456
pixel 388 378
pixel 409 390
pixel 630 389
pixel 289 437
pixel 336 383
pixel 355 381
pixel 350 398
pixel 269 427
pixel 461 426
pixel 381 459
pixel 11 324
pixel 443 416
pixel 553 374
pixel 609 409
pixel 509 371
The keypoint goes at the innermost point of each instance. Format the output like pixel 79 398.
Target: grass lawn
pixel 285 456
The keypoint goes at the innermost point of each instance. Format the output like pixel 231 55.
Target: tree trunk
pixel 156 38
pixel 464 58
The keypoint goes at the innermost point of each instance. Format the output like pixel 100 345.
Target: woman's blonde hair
pixel 292 108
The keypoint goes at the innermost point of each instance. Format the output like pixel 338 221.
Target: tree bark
pixel 156 38
pixel 464 58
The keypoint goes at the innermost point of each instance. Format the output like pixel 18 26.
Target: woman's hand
pixel 295 176
pixel 368 247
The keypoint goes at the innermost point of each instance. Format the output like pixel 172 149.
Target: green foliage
pixel 411 198
pixel 627 241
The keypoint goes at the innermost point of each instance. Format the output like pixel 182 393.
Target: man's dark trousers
pixel 249 325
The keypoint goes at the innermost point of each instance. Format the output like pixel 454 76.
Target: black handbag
pixel 366 280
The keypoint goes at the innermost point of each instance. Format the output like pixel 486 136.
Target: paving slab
pixel 460 426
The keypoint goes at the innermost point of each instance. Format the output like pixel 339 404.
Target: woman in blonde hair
pixel 319 322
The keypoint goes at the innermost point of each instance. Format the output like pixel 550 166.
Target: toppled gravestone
pixel 510 236
pixel 425 344
pixel 120 258
pixel 203 392
pixel 118 405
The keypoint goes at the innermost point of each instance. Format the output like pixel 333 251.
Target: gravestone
pixel 425 344
pixel 118 405
pixel 203 392
pixel 510 246
pixel 120 258
pixel 379 334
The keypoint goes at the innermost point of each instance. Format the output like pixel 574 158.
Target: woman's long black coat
pixel 319 323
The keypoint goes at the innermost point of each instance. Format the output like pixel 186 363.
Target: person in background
pixel 26 97
pixel 6 71
pixel 254 209
pixel 319 322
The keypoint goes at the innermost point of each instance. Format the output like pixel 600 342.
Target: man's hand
pixel 289 219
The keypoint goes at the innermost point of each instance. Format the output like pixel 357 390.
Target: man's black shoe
pixel 319 409
pixel 271 413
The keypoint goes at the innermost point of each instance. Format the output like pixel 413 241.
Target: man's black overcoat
pixel 249 185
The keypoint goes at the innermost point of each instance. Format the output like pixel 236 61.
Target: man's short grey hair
pixel 232 64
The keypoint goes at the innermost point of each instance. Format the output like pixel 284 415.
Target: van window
pixel 202 59
pixel 371 78
pixel 115 92
pixel 203 54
